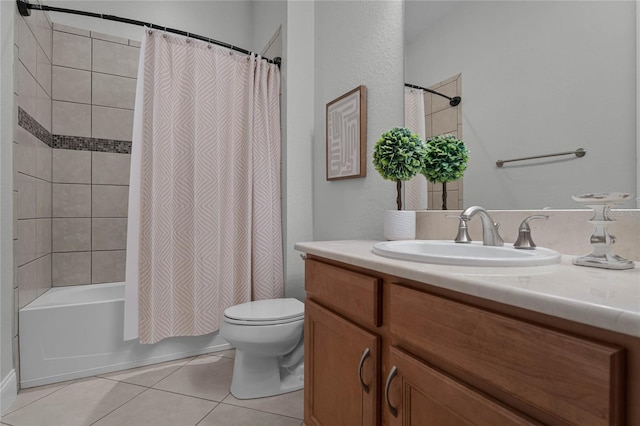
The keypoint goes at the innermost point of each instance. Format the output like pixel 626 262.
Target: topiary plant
pixel 398 156
pixel 445 161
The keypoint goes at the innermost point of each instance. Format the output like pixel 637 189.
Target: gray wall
pixel 356 43
pixel 539 77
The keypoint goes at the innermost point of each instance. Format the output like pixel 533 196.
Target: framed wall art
pixel 347 135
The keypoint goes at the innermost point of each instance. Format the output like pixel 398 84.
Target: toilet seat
pixel 265 312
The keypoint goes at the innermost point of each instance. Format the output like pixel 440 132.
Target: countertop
pixel 603 298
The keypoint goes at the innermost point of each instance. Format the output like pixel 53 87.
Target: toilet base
pixel 258 377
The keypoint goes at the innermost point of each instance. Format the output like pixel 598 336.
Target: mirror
pixel 537 78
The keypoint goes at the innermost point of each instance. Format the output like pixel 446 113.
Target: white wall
pixel 8 388
pixel 356 42
pixel 298 108
pixel 538 78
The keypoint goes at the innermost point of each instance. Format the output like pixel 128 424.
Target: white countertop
pixel 602 298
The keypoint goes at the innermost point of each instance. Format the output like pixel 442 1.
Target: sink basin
pixel 473 254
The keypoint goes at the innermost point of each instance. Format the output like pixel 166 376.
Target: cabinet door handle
pixel 364 356
pixel 392 374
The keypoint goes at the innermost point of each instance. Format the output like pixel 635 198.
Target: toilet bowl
pixel 268 337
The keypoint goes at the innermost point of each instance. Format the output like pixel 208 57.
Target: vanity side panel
pixel 570 378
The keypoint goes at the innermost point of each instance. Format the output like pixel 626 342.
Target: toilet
pixel 268 337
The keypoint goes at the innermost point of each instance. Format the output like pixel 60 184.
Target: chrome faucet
pixel 490 234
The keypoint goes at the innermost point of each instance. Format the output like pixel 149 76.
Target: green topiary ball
pixel 398 154
pixel 446 159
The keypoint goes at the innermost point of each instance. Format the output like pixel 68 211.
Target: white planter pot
pixel 399 224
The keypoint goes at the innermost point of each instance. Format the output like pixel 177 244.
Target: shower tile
pixel 438 102
pixel 109 234
pixel 71 268
pixel 428 126
pixel 154 407
pixel 71 85
pixel 27 46
pixel 107 37
pixel 43 108
pixel 427 103
pixel 108 266
pixel 71 119
pixel 110 201
pixel 113 91
pixel 73 234
pixel 71 166
pixel 43 274
pixel 24 153
pixel 26 90
pixel 194 379
pixel 288 404
pixel 71 200
pixel 114 58
pixel 70 30
pixel 134 43
pixel 26 241
pixel 111 123
pixel 26 186
pixel 44 33
pixel 80 403
pixel 110 168
pixel 27 282
pixel 71 50
pixel 43 70
pixel 43 154
pixel 43 237
pixel 445 121
pixel 43 199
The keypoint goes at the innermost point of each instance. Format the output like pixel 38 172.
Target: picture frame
pixel 346 135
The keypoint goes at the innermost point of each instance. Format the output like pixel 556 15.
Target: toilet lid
pixel 266 310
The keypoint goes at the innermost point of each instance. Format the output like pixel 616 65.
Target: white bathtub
pixel 73 332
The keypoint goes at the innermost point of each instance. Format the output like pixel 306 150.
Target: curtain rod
pixel 452 101
pixel 25 10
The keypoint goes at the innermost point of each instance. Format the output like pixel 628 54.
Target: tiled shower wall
pixel 441 117
pixel 93 91
pixel 31 162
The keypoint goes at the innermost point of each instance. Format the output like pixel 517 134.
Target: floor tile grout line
pixel 209 412
pixel 190 396
pixel 44 396
pixel 116 408
pixel 261 411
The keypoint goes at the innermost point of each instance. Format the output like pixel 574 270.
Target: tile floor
pixel 187 392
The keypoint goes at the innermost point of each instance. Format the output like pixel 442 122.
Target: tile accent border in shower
pixel 78 143
pixel 32 126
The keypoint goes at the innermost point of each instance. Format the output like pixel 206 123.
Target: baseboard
pixel 8 391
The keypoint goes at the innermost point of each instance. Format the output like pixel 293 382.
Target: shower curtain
pixel 204 229
pixel 415 190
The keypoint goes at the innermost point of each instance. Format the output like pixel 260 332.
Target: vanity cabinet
pixel 382 350
pixel 342 359
pixel 429 397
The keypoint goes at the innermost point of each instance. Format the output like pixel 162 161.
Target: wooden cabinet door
pixel 419 395
pixel 340 371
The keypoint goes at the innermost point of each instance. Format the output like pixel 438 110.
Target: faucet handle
pixel 463 230
pixel 524 240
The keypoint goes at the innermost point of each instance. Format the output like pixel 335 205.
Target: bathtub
pixel 74 332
